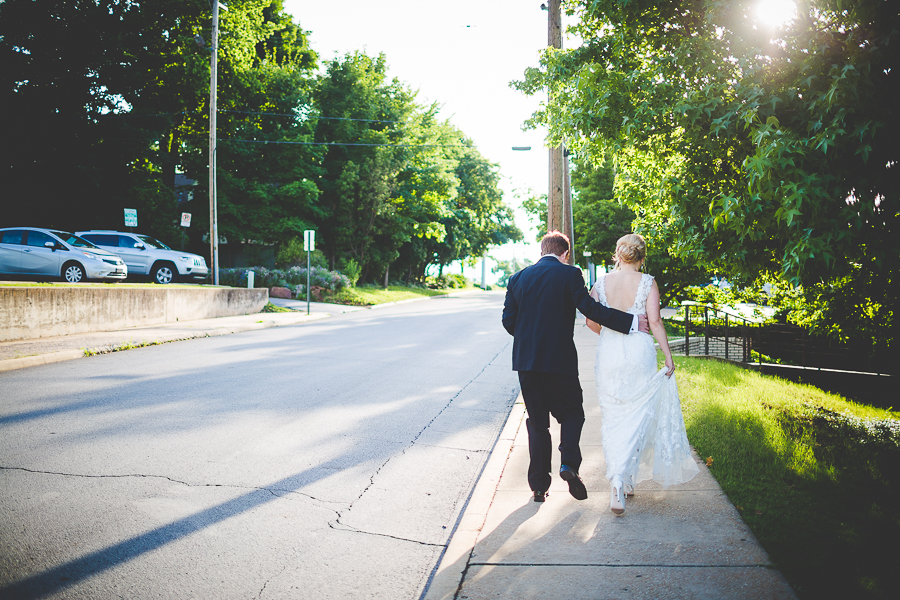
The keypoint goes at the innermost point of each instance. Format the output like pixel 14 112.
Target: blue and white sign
pixel 309 240
pixel 130 217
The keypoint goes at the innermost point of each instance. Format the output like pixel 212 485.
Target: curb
pixel 455 560
pixel 12 364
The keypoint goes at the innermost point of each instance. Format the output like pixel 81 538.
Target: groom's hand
pixel 643 324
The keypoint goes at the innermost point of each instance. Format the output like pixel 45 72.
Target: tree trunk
pixel 387 270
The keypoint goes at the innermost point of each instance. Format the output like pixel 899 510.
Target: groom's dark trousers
pixel 539 312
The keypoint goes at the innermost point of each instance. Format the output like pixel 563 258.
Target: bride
pixel 642 425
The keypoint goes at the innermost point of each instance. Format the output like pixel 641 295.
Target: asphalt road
pixel 325 460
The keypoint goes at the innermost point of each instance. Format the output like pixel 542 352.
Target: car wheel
pixel 73 272
pixel 163 273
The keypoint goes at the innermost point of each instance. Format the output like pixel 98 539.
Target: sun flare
pixel 775 13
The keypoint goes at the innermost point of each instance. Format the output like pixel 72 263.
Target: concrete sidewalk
pixel 684 542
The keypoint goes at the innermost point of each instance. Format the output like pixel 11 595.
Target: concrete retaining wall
pixel 37 312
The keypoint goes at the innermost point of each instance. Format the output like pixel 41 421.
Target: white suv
pixel 145 255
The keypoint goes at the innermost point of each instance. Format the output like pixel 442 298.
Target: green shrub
pixel 292 254
pixel 290 278
pixel 352 270
pixel 450 281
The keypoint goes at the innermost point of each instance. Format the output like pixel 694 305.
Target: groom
pixel 539 313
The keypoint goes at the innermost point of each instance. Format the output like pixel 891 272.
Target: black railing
pixel 717 332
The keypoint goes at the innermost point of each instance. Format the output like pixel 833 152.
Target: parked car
pixel 145 255
pixel 53 253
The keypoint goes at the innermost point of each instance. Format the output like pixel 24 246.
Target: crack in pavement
pixel 344 527
pixel 266 582
pixel 467 450
pixel 281 492
pixel 412 443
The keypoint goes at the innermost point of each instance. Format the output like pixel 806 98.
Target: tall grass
pixel 815 476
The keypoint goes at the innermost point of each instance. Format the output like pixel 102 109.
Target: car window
pixel 152 242
pixel 101 239
pixel 105 239
pixel 73 240
pixel 38 238
pixel 13 236
pixel 126 241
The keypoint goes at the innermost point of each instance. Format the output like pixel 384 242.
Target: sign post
pixel 309 244
pixel 185 222
pixel 130 217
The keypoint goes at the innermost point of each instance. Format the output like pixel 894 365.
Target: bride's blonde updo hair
pixel 630 249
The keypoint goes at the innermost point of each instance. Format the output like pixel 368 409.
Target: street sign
pixel 130 217
pixel 185 219
pixel 309 240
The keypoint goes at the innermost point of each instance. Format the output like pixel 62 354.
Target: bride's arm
pixel 658 329
pixel 595 327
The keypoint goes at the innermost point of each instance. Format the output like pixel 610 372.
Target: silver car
pixel 145 255
pixel 53 253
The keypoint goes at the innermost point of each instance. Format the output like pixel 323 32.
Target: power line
pixel 345 144
pixel 247 112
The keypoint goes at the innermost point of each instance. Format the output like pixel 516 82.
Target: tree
pixel 104 121
pixel 600 220
pixel 754 149
pixel 361 119
pixel 402 190
pixel 477 218
pixel 508 268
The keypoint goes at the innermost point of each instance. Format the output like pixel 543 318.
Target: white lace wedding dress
pixel 642 425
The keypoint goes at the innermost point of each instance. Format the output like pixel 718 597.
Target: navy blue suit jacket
pixel 539 313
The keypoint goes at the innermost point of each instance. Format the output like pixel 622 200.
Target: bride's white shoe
pixel 617 496
pixel 629 487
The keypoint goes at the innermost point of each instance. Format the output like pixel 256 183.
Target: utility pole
pixel 555 195
pixel 568 218
pixel 213 210
pixel 559 201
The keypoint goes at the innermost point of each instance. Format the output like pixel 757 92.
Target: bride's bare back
pixel 621 288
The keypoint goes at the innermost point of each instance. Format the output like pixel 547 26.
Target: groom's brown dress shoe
pixel 540 496
pixel 576 485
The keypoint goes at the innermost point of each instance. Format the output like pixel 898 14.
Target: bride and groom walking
pixel 642 426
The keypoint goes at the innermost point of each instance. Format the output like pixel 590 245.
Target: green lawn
pixel 368 296
pixel 815 476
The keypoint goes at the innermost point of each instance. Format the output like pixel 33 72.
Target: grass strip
pixel 369 296
pixel 271 308
pixel 815 476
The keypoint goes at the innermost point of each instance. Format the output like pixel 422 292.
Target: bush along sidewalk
pixel 293 278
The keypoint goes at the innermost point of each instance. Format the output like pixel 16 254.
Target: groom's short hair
pixel 555 242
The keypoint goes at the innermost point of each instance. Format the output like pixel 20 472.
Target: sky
pixel 462 55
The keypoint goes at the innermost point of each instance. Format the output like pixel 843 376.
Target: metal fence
pixel 725 333
pixel 716 332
